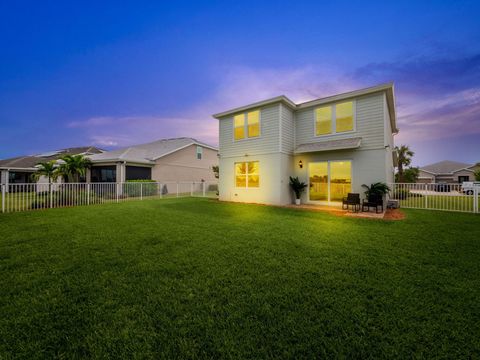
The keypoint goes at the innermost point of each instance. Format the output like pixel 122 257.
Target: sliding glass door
pixel 329 180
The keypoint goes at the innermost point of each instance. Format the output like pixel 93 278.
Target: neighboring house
pixel 447 172
pixel 20 169
pixel 335 144
pixel 180 159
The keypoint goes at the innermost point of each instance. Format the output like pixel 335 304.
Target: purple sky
pixel 110 75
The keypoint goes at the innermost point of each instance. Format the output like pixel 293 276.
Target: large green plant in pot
pixel 298 188
pixel 376 189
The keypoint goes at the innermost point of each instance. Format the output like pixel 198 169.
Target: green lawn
pixel 440 202
pixel 196 278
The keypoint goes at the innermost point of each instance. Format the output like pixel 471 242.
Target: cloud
pixel 437 98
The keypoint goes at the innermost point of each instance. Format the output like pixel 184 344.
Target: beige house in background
pixel 334 144
pixel 447 172
pixel 178 159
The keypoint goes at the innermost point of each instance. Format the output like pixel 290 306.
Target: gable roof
pixel 445 167
pixel 149 152
pixel 30 161
pixel 388 88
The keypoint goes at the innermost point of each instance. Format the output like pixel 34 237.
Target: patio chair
pixel 352 199
pixel 373 201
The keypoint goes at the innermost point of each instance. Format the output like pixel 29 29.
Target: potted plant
pixel 298 187
pixel 376 189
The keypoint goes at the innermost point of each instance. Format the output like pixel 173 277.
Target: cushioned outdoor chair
pixel 353 200
pixel 373 201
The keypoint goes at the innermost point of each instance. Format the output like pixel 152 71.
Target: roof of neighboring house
pixel 388 88
pixel 30 161
pixel 350 143
pixel 445 167
pixel 149 152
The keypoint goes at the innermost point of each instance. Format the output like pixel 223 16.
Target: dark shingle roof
pixel 25 162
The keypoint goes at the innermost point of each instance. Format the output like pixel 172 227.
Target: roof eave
pixel 277 99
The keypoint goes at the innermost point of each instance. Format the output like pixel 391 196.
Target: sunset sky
pixel 117 73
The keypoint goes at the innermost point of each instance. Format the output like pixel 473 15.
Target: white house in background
pixel 335 144
pixel 179 159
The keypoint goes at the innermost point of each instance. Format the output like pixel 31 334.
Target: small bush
pixel 144 187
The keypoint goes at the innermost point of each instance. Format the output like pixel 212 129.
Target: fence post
pixel 191 188
pixel 203 190
pixel 475 199
pixel 141 191
pixel 177 189
pixel 426 201
pixel 160 188
pixel 88 193
pixel 117 191
pixel 3 198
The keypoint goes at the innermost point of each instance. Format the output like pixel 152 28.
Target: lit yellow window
pixel 247 174
pixel 239 126
pixel 253 121
pixel 241 174
pixel 344 116
pixel 323 120
pixel 253 179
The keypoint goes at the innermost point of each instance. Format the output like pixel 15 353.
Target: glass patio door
pixel 329 180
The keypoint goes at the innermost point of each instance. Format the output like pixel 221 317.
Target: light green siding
pixel 369 116
pixel 267 143
pixel 287 130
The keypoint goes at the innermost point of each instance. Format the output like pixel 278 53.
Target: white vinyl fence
pixel 448 197
pixel 23 197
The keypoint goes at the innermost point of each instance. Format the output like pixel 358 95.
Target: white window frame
pixel 199 152
pixel 334 119
pixel 245 126
pixel 328 177
pixel 246 175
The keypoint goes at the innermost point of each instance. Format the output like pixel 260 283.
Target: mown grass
pixel 196 278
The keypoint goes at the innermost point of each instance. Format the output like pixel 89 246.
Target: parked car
pixel 441 187
pixel 468 187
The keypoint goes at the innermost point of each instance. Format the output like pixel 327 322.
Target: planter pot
pixel 297 202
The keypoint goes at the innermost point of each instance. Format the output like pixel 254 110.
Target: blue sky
pixel 118 73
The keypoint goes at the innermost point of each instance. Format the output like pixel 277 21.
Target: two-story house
pixel 334 144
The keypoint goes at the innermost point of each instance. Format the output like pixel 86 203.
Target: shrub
pixel 146 187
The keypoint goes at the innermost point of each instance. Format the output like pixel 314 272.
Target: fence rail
pixel 23 197
pixel 448 197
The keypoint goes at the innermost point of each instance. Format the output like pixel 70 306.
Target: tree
pixel 48 169
pixel 73 167
pixel 404 155
pixel 410 175
pixel 477 175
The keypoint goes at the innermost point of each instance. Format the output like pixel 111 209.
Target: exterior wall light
pixel 300 164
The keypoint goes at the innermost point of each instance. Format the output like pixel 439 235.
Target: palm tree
pixel 74 166
pixel 48 169
pixel 404 155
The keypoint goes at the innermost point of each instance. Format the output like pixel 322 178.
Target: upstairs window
pixel 199 152
pixel 333 119
pixel 247 174
pixel 246 125
pixel 344 116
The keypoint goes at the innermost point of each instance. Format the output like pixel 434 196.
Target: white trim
pixel 333 119
pixel 245 126
pixel 246 175
pixel 328 202
pixel 280 114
